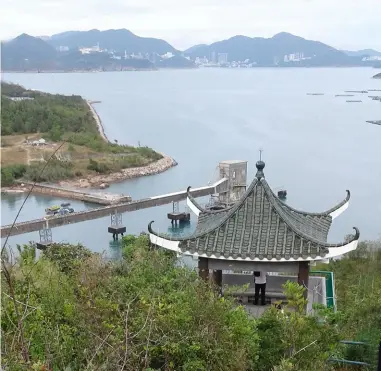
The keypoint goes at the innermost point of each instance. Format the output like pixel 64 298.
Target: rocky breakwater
pixel 156 167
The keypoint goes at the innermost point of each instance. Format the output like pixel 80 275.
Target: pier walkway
pixel 100 198
pixel 81 216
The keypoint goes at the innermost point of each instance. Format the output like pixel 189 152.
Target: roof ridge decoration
pixel 324 213
pixel 257 225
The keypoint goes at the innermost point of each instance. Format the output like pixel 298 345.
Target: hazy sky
pixel 344 24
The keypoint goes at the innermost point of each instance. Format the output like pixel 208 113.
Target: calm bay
pixel 316 147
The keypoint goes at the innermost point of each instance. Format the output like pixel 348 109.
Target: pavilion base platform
pixel 224 273
pixel 256 310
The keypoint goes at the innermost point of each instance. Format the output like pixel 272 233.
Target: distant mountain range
pixel 119 40
pixel 121 49
pixel 270 51
pixel 363 53
pixel 27 51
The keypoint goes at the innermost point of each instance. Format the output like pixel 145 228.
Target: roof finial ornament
pixel 260 165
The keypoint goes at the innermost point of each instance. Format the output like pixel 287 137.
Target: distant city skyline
pixel 343 24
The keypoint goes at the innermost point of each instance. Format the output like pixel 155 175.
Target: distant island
pixel 120 50
pixel 378 76
pixel 35 124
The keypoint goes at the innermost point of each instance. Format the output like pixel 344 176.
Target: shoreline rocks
pixel 156 167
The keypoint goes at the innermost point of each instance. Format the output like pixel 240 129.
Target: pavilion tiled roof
pixel 259 226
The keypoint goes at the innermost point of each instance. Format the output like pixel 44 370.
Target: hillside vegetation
pixel 72 310
pixel 30 115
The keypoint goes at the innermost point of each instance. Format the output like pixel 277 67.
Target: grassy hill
pixel 28 116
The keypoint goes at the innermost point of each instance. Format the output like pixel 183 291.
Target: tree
pixel 55 133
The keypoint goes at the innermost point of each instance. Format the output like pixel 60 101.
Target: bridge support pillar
pixel 116 227
pixel 45 237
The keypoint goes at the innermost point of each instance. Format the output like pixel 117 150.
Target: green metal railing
pixel 347 361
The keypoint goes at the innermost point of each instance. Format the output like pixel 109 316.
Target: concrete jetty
pixel 57 221
pixel 100 198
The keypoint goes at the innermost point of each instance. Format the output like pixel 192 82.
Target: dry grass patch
pixel 13 156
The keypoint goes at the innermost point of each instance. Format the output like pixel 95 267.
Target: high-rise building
pixel 222 58
pixel 213 57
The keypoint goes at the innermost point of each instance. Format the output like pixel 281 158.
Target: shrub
pixel 137 314
pixel 99 167
pixel 56 170
pixel 10 173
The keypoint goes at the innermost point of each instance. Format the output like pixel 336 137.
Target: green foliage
pixel 64 118
pixel 55 133
pixel 56 170
pixel 358 290
pixel 292 340
pixel 67 257
pixel 10 173
pixel 143 312
pixel 99 167
pixel 295 296
pixel 44 113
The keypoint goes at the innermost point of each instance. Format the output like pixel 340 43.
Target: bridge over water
pixel 81 216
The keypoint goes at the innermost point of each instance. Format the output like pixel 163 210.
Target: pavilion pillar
pixel 304 271
pixel 217 277
pixel 203 268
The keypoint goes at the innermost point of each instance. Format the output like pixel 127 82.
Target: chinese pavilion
pixel 259 232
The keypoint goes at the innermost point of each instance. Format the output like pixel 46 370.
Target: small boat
pixel 65 204
pixel 66 210
pixel 53 209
